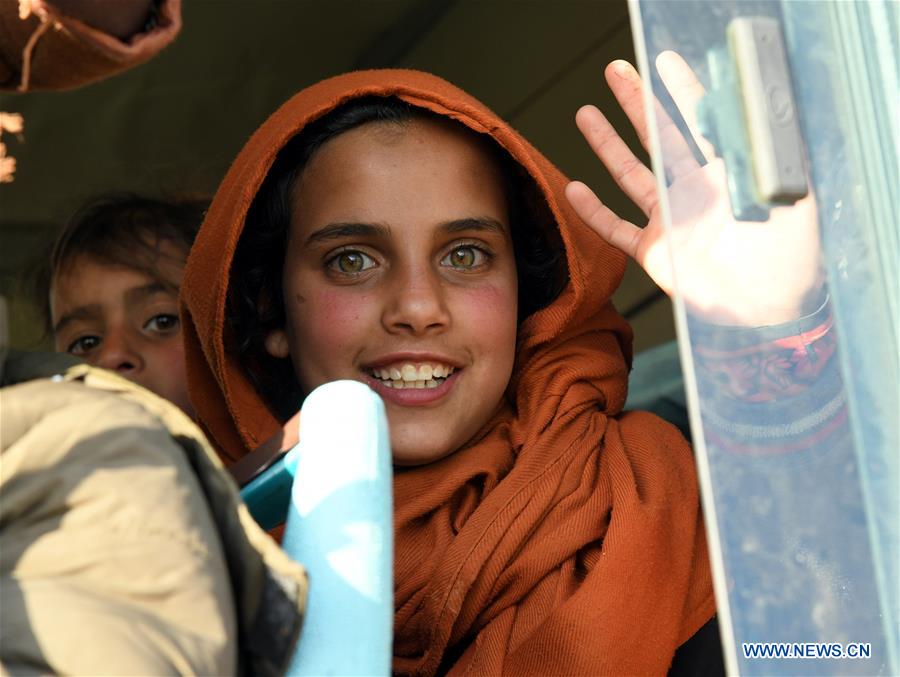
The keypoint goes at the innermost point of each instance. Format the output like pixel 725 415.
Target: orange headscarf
pixel 566 538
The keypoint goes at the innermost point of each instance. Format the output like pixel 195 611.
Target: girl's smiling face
pixel 400 273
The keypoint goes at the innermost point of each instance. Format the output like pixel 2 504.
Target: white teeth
pixel 408 376
pixel 419 385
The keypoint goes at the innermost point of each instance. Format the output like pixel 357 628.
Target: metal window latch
pixel 750 116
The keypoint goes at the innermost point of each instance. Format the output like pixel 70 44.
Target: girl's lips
pixel 411 397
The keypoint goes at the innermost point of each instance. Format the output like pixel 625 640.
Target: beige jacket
pixel 125 546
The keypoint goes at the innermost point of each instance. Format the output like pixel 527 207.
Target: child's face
pixel 122 319
pixel 400 263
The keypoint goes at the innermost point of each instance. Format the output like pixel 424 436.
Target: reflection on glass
pixel 789 302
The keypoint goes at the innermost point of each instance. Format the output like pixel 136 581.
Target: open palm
pixel 728 271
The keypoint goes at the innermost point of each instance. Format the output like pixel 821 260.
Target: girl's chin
pixel 411 457
pixel 416 443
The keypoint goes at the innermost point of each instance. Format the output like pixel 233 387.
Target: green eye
pixel 351 262
pixel 464 257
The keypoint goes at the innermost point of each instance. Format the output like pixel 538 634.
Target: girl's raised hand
pixel 728 271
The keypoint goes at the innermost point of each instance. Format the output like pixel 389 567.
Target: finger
pixel 625 83
pixel 629 173
pixel 686 91
pixel 618 232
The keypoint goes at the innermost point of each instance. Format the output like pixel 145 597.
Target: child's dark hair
pixel 120 229
pixel 255 298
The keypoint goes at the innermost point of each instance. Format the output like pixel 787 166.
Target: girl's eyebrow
pixel 94 311
pixel 336 231
pixel 137 294
pixel 87 312
pixel 474 223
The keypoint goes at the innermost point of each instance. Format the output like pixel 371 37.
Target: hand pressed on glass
pixel 729 272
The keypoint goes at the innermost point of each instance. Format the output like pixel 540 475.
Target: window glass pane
pixel 781 189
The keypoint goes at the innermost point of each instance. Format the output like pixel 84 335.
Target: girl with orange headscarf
pixel 386 227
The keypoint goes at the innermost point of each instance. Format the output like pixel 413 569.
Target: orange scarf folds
pixel 566 538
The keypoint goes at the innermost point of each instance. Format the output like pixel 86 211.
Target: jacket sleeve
pixel 55 51
pixel 111 560
pixel 770 389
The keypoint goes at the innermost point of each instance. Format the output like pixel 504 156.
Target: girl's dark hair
pixel 255 297
pixel 119 229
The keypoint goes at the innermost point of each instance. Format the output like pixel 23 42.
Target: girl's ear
pixel 277 344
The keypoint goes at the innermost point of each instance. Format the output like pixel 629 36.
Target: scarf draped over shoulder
pixel 566 537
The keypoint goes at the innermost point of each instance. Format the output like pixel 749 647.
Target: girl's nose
pixel 119 353
pixel 417 303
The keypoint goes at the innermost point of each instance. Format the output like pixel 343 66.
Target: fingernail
pixel 623 69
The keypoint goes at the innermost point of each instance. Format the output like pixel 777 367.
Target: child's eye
pixel 350 262
pixel 83 345
pixel 465 256
pixel 164 323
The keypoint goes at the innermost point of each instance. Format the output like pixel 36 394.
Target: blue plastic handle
pixel 340 527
